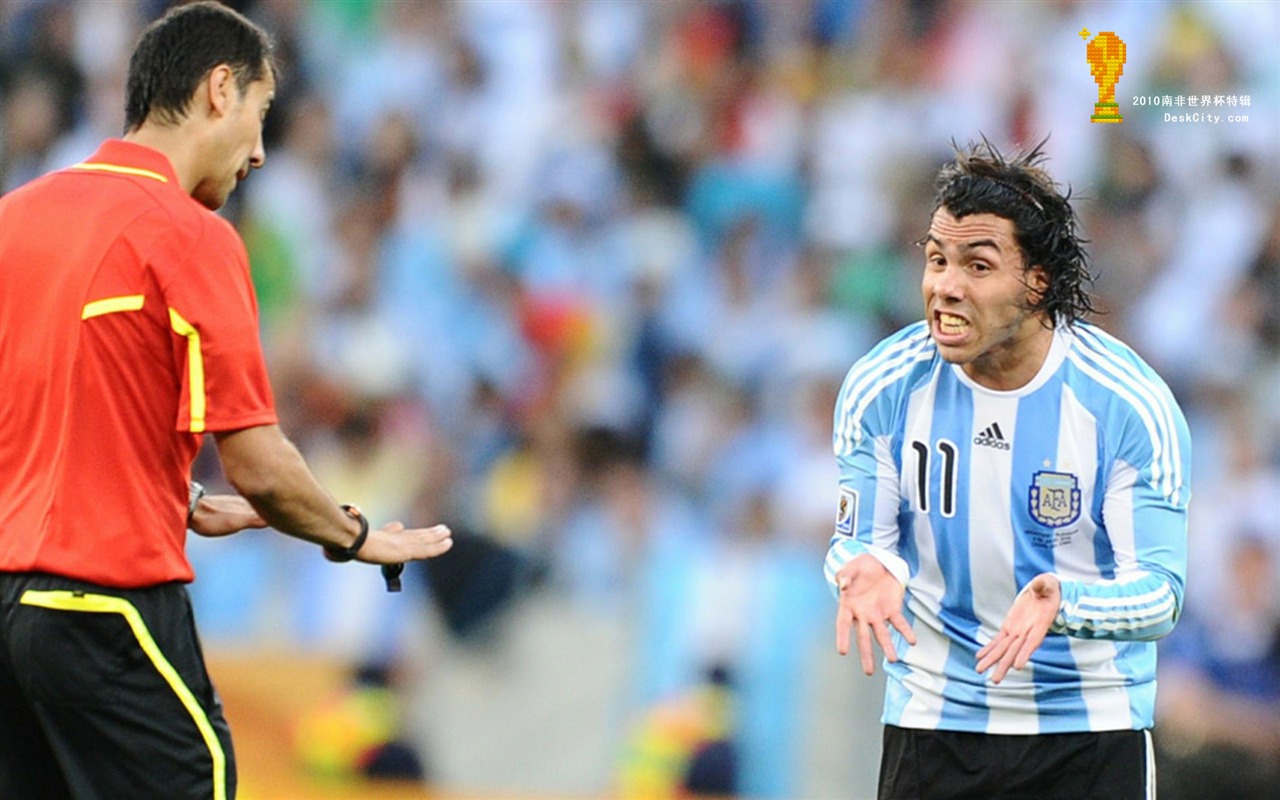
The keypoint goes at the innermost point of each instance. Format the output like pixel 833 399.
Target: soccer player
pixel 128 329
pixel 1011 526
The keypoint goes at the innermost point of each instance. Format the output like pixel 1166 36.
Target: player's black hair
pixel 981 180
pixel 179 49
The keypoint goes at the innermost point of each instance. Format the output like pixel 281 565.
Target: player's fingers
pixel 992 652
pixel 886 641
pixel 393 527
pixel 864 647
pixel 844 622
pixel 900 622
pixel 1029 647
pixel 991 645
pixel 1006 661
pixel 984 663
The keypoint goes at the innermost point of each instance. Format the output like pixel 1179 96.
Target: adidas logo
pixel 992 437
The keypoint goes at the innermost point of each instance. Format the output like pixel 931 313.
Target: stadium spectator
pixel 1219 703
pixel 1220 685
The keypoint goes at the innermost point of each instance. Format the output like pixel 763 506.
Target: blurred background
pixel 581 278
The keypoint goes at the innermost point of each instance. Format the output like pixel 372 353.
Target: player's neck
pixel 1017 362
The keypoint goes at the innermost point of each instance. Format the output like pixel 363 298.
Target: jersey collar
pixel 128 158
pixel 1058 347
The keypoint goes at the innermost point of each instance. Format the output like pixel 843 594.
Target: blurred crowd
pixel 581 278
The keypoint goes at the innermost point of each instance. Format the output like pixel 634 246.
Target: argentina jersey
pixel 967 493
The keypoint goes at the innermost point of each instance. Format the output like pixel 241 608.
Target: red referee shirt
pixel 128 327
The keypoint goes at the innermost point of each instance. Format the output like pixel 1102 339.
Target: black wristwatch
pixel 196 491
pixel 342 554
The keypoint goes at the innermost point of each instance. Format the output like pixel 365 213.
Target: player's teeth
pixel 951 324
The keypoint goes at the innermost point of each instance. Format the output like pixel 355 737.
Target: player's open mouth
pixel 950 325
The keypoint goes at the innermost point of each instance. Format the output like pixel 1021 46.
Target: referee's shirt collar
pixel 130 158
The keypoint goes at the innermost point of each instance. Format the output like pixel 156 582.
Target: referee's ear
pixel 219 90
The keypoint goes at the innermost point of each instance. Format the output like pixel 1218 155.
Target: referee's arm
pixel 265 467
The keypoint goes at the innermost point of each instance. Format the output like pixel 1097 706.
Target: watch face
pixel 196 491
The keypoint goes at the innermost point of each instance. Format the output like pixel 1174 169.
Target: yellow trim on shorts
pixel 99 166
pixel 195 368
pixel 62 600
pixel 111 305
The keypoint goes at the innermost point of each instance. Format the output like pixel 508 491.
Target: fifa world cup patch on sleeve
pixel 846 510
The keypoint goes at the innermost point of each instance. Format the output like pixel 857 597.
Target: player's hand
pixel 1024 628
pixel 393 543
pixel 870 601
pixel 224 514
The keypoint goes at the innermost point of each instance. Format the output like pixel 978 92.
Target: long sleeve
pixel 1144 509
pixel 1143 601
pixel 869 496
pixel 869 473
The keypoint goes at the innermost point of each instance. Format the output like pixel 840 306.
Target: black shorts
pixel 949 765
pixel 104 694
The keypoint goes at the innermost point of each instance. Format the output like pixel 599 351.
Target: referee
pixel 128 329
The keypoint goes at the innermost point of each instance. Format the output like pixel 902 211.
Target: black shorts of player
pixel 104 694
pixel 950 765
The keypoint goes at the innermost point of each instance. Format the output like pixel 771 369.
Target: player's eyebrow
pixel 974 245
pixel 963 246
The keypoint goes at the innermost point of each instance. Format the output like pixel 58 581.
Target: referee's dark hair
pixel 981 180
pixel 179 49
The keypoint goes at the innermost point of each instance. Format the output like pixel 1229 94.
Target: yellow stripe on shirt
pixel 98 166
pixel 195 368
pixel 111 305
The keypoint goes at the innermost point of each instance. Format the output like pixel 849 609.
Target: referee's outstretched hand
pixel 870 601
pixel 393 543
pixel 1024 628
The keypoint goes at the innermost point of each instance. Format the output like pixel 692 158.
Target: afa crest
pixel 1054 500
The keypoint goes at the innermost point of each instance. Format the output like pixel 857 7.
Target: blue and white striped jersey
pixel 966 494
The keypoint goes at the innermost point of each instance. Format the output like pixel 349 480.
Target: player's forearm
pixel 844 549
pixel 1140 607
pixel 271 474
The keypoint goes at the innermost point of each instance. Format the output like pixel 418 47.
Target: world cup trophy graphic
pixel 1106 54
